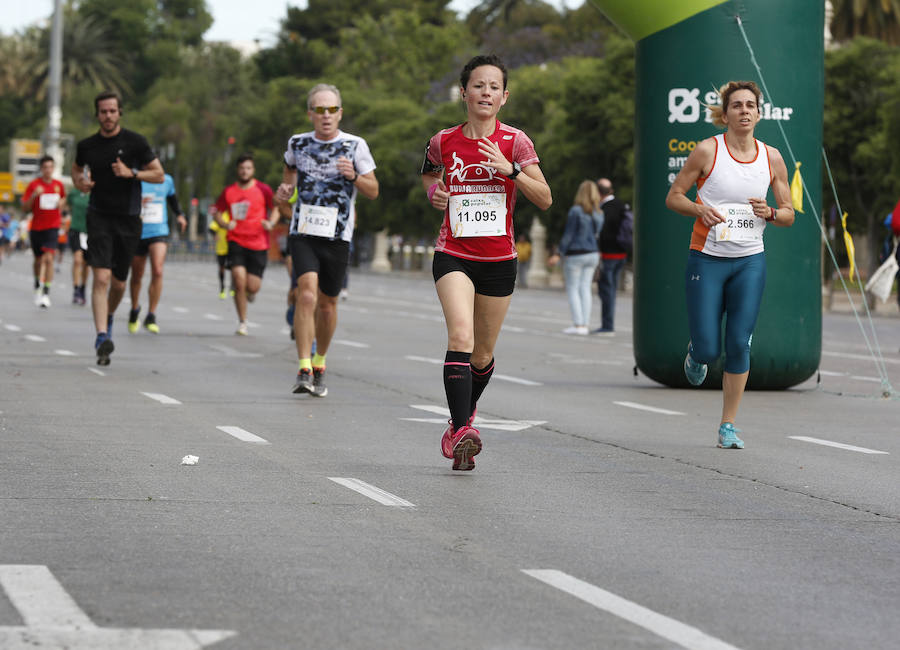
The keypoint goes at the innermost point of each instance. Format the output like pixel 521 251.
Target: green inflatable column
pixel 685 50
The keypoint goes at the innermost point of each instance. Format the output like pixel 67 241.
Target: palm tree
pixel 88 57
pixel 876 18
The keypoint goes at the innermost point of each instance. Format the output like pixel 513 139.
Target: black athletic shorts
pixel 43 240
pixel 112 242
pixel 223 261
pixel 326 257
pixel 75 241
pixel 496 279
pixel 253 261
pixel 144 245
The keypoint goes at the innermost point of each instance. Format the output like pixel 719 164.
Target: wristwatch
pixel 516 169
pixel 135 170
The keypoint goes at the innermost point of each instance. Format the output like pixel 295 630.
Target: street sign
pixel 24 163
pixel 6 187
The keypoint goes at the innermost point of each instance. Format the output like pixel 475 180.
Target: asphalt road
pixel 600 513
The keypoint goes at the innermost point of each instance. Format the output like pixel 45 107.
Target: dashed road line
pixel 12 328
pixel 65 353
pixel 35 338
pixel 231 352
pixel 242 434
pixel 862 378
pixel 651 409
pixel 668 628
pixel 97 372
pixel 180 310
pixel 514 380
pixel 861 357
pixel 212 317
pixel 839 445
pixel 352 344
pixel 162 399
pixel 375 493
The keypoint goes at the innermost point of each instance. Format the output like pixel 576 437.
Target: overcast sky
pixel 232 20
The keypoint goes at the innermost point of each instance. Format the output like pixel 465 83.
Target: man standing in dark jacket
pixel 612 255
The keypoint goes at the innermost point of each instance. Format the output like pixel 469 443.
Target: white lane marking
pixel 352 344
pixel 861 357
pixel 97 372
pixel 480 422
pixel 860 378
pixel 54 620
pixel 13 328
pixel 65 353
pixel 514 380
pixel 839 445
pixel 180 310
pixel 830 373
pixel 212 317
pixel 668 628
pixel 40 599
pixel 242 434
pixel 652 409
pixel 162 399
pixel 374 493
pixel 231 352
pixel 35 338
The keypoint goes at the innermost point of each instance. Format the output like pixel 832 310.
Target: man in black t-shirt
pixel 111 165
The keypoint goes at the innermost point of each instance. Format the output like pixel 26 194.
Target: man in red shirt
pixel 44 198
pixel 249 202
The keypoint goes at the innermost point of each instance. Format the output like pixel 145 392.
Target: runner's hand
pixel 345 167
pixel 760 208
pixel 182 222
pixel 709 216
pixel 84 183
pixel 495 158
pixel 121 170
pixel 440 197
pixel 284 192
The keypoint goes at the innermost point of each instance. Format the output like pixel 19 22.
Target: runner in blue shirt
pixel 155 198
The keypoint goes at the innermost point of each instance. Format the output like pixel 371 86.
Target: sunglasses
pixel 321 109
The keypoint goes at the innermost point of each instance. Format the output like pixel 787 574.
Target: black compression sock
pixel 480 379
pixel 458 386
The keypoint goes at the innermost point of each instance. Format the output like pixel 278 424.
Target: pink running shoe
pixel 466 445
pixel 446 445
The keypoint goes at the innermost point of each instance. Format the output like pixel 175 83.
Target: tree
pixel 88 58
pixel 875 18
pixel 862 91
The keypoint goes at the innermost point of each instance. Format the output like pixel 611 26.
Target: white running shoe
pixel 45 301
pixel 578 330
pixel 242 330
pixel 37 297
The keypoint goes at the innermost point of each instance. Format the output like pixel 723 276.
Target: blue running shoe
pixel 695 372
pixel 728 437
pixel 104 347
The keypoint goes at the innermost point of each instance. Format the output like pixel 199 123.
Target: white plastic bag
pixel 882 280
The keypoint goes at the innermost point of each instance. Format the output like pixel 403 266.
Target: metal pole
pixel 54 112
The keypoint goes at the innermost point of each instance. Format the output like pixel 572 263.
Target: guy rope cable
pixel 874 349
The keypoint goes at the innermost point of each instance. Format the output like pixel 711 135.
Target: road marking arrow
pixel 53 620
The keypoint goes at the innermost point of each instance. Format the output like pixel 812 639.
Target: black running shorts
pixel 144 246
pixel 43 241
pixel 496 279
pixel 112 242
pixel 75 241
pixel 326 257
pixel 253 261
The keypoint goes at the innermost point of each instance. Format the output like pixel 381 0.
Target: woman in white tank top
pixel 726 265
